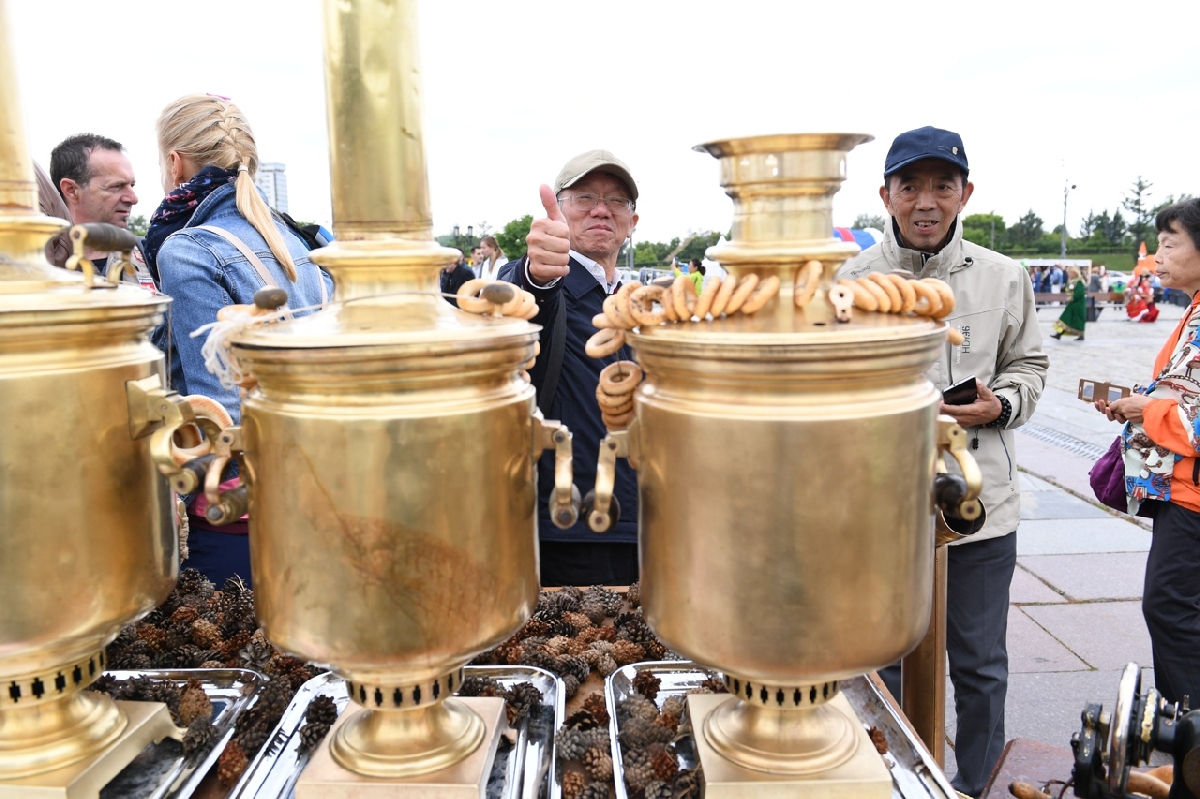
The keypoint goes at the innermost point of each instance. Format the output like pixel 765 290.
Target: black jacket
pixel 575 401
pixel 453 280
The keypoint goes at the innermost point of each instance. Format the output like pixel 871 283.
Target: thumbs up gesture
pixel 549 242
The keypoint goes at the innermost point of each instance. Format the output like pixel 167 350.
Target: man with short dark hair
pixel 95 179
pixel 925 189
pixel 571 267
pixel 453 276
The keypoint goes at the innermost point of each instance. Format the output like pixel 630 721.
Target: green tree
pixel 877 221
pixel 986 230
pixel 138 225
pixel 697 247
pixel 1141 223
pixel 512 238
pixel 1027 231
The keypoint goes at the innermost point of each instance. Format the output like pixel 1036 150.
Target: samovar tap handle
pixel 600 506
pixel 564 500
pixel 953 439
pixel 105 237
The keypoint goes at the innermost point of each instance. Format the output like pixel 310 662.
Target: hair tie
pixel 243 168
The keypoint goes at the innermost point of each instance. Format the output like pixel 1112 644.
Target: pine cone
pixel 634 595
pixel 205 634
pixel 611 601
pixel 714 686
pixel 659 790
pixel 573 783
pixel 256 655
pixel 606 634
pixel 582 720
pixel 198 734
pixel 579 621
pixel 572 685
pixel 231 764
pixel 194 704
pixel 596 705
pixel 576 667
pixel 606 665
pixel 639 771
pixel 646 684
pixel 626 652
pixel 311 734
pixel 557 646
pixel 521 700
pixel 321 710
pixel 639 733
pixel 233 645
pixel 274 700
pixel 668 720
pixel 253 737
pixel 655 649
pixel 597 762
pixel 532 627
pixel 570 743
pixel 596 790
pixel 132 662
pixel 184 615
pixel 687 784
pixel 675 705
pixel 593 610
pixel 664 763
pixel 637 706
pixel 126 637
pixel 476 685
pixel 510 653
pixel 541 659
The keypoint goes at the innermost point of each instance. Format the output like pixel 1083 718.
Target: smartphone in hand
pixel 964 392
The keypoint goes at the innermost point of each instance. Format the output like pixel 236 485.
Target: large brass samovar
pixel 801 552
pixel 88 532
pixel 389 446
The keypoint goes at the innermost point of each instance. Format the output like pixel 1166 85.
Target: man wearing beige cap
pixel 571 267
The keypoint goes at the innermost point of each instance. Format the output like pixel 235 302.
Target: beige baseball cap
pixel 594 160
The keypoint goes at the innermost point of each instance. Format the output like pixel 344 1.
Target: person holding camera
pixel 925 189
pixel 1159 446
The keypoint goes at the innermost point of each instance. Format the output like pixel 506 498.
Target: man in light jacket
pixel 925 189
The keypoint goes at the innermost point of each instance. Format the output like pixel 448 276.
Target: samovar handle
pixel 600 506
pixel 953 439
pixel 105 237
pixel 564 500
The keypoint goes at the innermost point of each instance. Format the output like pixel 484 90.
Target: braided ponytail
pixel 212 131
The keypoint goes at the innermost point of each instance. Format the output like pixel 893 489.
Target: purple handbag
pixel 1108 478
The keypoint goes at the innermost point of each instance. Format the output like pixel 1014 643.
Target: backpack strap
pixel 554 359
pixel 257 263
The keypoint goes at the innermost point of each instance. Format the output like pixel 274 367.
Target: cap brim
pixel 909 161
pixel 611 169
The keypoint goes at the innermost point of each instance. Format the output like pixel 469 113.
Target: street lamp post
pixel 1066 190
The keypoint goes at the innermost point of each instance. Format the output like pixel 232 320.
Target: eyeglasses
pixel 587 202
pixel 1092 390
pixel 909 189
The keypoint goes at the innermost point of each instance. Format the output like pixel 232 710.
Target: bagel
pixel 812 272
pixel 620 377
pixel 767 288
pixel 954 335
pixel 529 306
pixel 610 404
pixel 876 291
pixel 621 321
pixel 724 295
pixel 862 298
pixel 469 299
pixel 616 421
pixel 601 320
pixel 188 441
pixel 908 295
pixel 929 301
pixel 707 295
pixel 641 305
pixel 745 288
pixel 895 300
pixel 605 342
pixel 683 293
pixel 945 294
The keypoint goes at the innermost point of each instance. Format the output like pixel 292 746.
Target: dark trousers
pixel 1171 601
pixel 978 576
pixel 219 556
pixel 587 564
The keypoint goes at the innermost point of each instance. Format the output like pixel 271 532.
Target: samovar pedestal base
pixel 323 778
pixel 148 722
pixel 863 775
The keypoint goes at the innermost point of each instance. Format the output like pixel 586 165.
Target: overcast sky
pixel 1042 92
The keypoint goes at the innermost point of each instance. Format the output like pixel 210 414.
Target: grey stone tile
pixel 1089 577
pixel 1045 706
pixel 1077 536
pixel 1105 635
pixel 1031 482
pixel 1058 505
pixel 1031 648
pixel 1027 589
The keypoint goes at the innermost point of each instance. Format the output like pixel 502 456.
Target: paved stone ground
pixel 1075 618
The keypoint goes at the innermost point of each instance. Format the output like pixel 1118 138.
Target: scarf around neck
pixel 177 208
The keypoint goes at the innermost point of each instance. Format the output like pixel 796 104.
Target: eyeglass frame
pixel 627 205
pixel 1091 390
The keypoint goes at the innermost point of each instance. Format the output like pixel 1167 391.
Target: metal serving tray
pixel 915 775
pixel 524 767
pixel 162 771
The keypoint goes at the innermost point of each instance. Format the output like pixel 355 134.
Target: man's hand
pixel 549 242
pixel 1126 409
pixel 986 408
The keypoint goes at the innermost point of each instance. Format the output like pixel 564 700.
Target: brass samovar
pixel 388 450
pixel 88 526
pixel 808 437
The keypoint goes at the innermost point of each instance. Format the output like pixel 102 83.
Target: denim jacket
pixel 204 273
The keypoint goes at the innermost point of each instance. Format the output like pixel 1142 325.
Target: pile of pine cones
pixel 200 627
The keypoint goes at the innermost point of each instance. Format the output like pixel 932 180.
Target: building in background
pixel 273 182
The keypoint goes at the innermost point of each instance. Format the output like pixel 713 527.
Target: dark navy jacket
pixel 575 401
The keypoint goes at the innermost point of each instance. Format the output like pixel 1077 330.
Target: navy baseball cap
pixel 927 142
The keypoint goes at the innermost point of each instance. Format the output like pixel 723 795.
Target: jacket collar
pixel 208 206
pixel 580 281
pixel 949 259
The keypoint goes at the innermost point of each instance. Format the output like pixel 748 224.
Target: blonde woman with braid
pixel 214 242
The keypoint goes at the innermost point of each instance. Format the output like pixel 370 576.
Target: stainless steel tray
pixel 523 770
pixel 162 771
pixel 915 775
